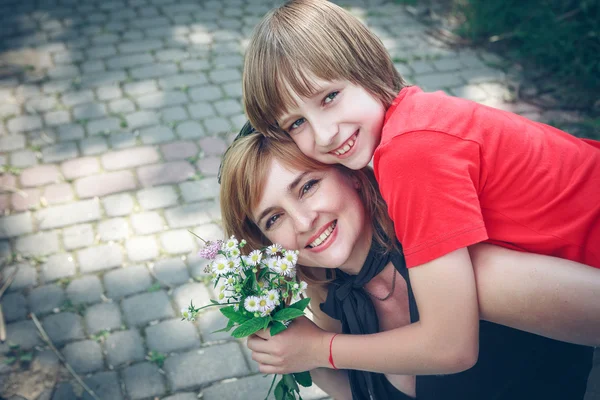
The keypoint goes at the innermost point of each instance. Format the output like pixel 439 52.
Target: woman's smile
pixel 323 241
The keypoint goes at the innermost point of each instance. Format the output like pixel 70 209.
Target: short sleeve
pixel 430 182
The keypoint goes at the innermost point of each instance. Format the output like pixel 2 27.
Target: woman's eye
pixel 329 98
pixel 296 124
pixel 308 186
pixel 271 221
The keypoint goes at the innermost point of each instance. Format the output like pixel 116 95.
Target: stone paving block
pixel 147 222
pixel 104 184
pixel 23 159
pixel 121 106
pixel 118 205
pixel 128 61
pixel 166 173
pixel 157 197
pixel 182 396
pixel 101 51
pixel 170 54
pixel 9 110
pixel 12 142
pixel 99 258
pixel 228 107
pixel 141 119
pixel 93 145
pixel 224 75
pixel 129 158
pixel 64 391
pixel 14 307
pixel 102 316
pixel 157 134
pixel 113 229
pixel 139 46
pixel 146 307
pixel 447 64
pixel 89 111
pixel 44 299
pixel 71 99
pixel 96 79
pixel 470 92
pixel 54 118
pixel 172 336
pixel 194 292
pixel 143 381
pixel 140 88
pixel 439 80
pixel 26 276
pixel 206 93
pixel 41 138
pixel 182 81
pixel 217 125
pixel 199 367
pixel 233 89
pixel 122 140
pixel 69 214
pixel 75 237
pixel 80 167
pixel 179 150
pixel 85 290
pixel 209 323
pixel 195 65
pixel 15 225
pixel 104 126
pixel 59 152
pixel 191 129
pixel 173 114
pixel 199 190
pixel 63 327
pixel 127 281
pixel 39 175
pixel 483 75
pixel 188 215
pixel 70 132
pixel 58 193
pixel 27 199
pixel 63 71
pixel 93 66
pixel 162 99
pixel 228 61
pixel 172 271
pixel 213 146
pixel 22 333
pixel 24 123
pixel 105 385
pixel 84 356
pixel 201 110
pixel 422 67
pixel 109 93
pixel 141 248
pixel 38 244
pixel 177 242
pixel 57 266
pixel 124 347
pixel 155 70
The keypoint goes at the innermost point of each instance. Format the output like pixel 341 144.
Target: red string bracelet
pixel 330 352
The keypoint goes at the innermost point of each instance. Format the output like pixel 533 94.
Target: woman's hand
pixel 303 346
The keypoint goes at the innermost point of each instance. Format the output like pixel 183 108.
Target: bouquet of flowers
pixel 256 291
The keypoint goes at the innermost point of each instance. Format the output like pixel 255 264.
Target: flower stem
pixel 271 388
pixel 205 242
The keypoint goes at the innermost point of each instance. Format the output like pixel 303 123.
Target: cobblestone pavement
pixel 113 118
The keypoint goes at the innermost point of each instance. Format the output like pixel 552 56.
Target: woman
pixel 336 218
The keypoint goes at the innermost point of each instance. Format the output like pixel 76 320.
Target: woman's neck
pixel 360 252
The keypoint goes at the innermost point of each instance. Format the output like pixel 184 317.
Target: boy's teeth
pixel 323 236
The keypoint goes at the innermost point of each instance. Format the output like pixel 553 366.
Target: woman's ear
pixel 356 183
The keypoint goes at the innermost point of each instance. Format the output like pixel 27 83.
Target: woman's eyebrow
pixel 291 188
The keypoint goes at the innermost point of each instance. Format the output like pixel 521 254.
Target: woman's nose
pixel 304 220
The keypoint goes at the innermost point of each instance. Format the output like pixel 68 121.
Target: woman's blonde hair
pixel 307 39
pixel 243 174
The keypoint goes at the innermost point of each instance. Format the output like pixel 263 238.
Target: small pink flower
pixel 211 249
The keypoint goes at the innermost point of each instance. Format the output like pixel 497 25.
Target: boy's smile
pixel 339 124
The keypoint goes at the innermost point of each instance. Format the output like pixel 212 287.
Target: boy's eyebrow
pixel 291 188
pixel 283 121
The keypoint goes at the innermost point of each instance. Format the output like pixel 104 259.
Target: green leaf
pixel 280 390
pixel 26 356
pixel 267 322
pixel 233 315
pixel 249 327
pixel 10 360
pixel 277 327
pixel 302 304
pixel 291 382
pixel 287 314
pixel 303 378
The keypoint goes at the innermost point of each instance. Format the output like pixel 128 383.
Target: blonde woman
pixel 335 217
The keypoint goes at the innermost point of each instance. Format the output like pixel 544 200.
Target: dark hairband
pixel 246 130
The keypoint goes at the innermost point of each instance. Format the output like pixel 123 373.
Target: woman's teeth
pixel 323 236
pixel 346 147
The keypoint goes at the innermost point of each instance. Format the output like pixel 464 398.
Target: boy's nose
pixel 325 134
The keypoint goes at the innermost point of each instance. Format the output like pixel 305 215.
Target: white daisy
pixel 291 256
pixel 232 243
pixel 254 257
pixel 286 268
pixel 273 264
pixel 186 314
pixel 251 304
pixel 303 286
pixel 265 306
pixel 273 249
pixel 235 252
pixel 220 265
pixel 273 297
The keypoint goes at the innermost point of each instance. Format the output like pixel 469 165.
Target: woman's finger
pixel 266 359
pixel 255 343
pixel 264 334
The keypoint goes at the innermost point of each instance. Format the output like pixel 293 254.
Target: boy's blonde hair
pixel 307 39
pixel 243 174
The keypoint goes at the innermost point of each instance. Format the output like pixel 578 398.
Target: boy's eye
pixel 296 124
pixel 329 98
pixel 271 221
pixel 308 186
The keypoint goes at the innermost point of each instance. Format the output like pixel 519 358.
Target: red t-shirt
pixel 454 173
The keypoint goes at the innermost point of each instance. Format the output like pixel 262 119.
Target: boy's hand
pixel 303 346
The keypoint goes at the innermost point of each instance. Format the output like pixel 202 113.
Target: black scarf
pixel 347 301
